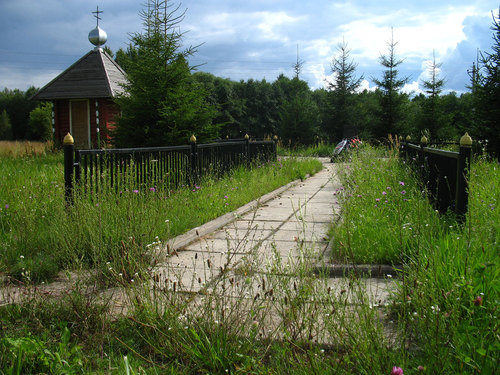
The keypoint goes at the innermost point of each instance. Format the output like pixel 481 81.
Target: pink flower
pixel 384 193
pixel 478 301
pixel 401 183
pixel 136 191
pixel 152 189
pixel 397 371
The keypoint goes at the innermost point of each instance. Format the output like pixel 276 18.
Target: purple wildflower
pixel 225 197
pixel 403 192
pixel 152 189
pixel 136 191
pixel 377 199
pixel 397 371
pixel 384 193
pixel 401 183
pixel 6 206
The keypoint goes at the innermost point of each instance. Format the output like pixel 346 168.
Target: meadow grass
pixel 40 235
pixel 25 148
pixel 321 149
pixel 442 317
pixel 447 300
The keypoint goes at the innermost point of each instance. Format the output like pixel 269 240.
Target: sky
pixel 258 39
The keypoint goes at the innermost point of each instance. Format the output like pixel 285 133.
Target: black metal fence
pixel 444 173
pixel 154 167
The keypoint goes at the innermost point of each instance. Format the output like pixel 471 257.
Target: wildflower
pixel 401 183
pixel 152 189
pixel 6 206
pixel 384 193
pixel 21 256
pixel 225 197
pixel 403 192
pixel 478 301
pixel 397 371
pixel 136 191
pixel 421 368
pixel 360 196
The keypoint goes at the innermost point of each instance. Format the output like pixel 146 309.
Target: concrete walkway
pixel 290 224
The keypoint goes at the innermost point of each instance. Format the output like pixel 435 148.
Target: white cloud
pixel 412 88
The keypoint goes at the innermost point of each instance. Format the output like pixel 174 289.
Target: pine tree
pixel 163 104
pixel 390 116
pixel 342 89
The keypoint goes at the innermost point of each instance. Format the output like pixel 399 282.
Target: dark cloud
pixel 459 60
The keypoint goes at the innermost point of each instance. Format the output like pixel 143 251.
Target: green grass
pixel 448 298
pixel 442 319
pixel 321 149
pixel 40 236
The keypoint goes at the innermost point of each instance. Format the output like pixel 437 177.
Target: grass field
pixel 442 319
pixel 41 236
pixel 449 296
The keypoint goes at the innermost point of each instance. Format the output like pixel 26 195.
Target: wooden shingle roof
pixel 95 75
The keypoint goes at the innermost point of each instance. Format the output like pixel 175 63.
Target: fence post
pixel 463 168
pixel 193 156
pixel 247 150
pixel 69 148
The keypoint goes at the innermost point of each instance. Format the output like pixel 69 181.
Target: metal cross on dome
pixel 96 15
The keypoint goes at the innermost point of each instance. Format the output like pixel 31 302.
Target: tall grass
pixel 40 235
pixel 448 298
pixel 320 149
pixel 25 148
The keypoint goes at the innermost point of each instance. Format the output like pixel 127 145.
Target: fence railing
pixel 444 173
pixel 153 167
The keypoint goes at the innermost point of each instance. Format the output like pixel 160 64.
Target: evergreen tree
pixel 486 91
pixel 390 116
pixel 432 120
pixel 342 90
pixel 163 104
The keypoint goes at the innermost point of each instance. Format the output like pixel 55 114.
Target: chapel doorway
pixel 80 123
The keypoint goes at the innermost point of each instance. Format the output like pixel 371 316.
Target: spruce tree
pixel 342 89
pixel 486 91
pixel 163 104
pixel 432 116
pixel 390 116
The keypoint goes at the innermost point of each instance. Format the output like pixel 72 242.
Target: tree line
pixel 167 100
